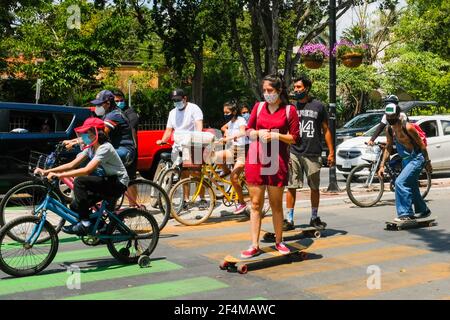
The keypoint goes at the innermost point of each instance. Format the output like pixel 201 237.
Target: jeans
pixel 407 190
pixel 126 155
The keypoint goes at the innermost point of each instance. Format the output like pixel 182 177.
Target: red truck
pixel 149 153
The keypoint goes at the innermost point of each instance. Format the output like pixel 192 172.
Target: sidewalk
pixel 337 198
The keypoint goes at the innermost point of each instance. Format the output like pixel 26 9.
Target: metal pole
pixel 129 92
pixel 333 185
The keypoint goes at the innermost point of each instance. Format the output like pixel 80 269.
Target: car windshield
pixel 372 130
pixel 364 120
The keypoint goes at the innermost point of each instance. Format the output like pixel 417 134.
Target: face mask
pixel 100 111
pixel 121 104
pixel 392 121
pixel 179 105
pixel 86 140
pixel 271 98
pixel 299 95
pixel 246 116
pixel 228 117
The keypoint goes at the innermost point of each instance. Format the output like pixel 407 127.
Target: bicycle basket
pixel 196 156
pixel 193 138
pixel 40 160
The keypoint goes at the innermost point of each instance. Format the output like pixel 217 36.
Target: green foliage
pixel 424 75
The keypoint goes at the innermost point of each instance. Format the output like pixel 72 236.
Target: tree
pixel 184 26
pixel 66 58
pixel 276 27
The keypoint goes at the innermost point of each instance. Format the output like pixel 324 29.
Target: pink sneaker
pixel 241 208
pixel 282 248
pixel 250 252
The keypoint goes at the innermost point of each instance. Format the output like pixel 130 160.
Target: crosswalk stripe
pixel 164 290
pixel 208 225
pixel 211 240
pixel 357 288
pixel 115 271
pixel 322 243
pixel 367 257
pixel 75 255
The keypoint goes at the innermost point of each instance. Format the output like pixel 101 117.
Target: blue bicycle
pixel 131 235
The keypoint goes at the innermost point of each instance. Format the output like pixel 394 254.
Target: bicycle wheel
pixel 23 199
pixel 424 183
pixel 19 259
pixel 169 178
pixel 362 189
pixel 148 196
pixel 188 206
pixel 143 241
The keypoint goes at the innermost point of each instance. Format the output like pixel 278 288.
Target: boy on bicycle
pixel 415 156
pixel 88 189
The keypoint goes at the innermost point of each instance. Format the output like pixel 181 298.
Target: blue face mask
pixel 121 104
pixel 86 140
pixel 246 116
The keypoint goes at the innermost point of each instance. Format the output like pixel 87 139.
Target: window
pixel 18 121
pixel 430 128
pixel 364 120
pixel 446 127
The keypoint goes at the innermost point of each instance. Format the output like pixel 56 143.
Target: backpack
pixel 419 130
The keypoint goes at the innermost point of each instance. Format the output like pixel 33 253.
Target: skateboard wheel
pixel 242 269
pixel 431 224
pixel 317 234
pixel 144 261
pixel 269 237
pixel 304 255
pixel 224 265
pixel 399 228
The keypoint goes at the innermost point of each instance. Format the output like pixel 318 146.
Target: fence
pixel 159 124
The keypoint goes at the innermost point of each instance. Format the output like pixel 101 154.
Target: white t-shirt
pixel 403 117
pixel 234 129
pixel 185 119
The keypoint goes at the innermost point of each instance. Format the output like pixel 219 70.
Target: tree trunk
pixel 197 81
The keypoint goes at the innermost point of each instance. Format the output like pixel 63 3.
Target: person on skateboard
pixel 413 151
pixel 272 127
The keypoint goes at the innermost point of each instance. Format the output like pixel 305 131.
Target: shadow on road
pixel 436 240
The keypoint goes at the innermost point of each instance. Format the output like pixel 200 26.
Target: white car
pixel 352 152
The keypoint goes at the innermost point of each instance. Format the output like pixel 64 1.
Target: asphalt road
pixel 354 250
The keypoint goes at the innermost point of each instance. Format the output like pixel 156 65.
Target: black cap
pixel 177 95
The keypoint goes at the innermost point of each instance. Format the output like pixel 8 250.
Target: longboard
pixel 416 223
pixel 236 263
pixel 302 230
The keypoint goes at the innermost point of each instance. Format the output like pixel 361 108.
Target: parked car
pixel 25 127
pixel 437 128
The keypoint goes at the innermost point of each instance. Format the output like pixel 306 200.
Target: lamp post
pixel 333 185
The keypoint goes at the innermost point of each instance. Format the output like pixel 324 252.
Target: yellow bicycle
pixel 194 200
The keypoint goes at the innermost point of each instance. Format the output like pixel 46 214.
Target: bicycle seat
pixel 166 156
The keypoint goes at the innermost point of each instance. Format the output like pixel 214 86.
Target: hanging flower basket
pixel 312 63
pixel 351 55
pixel 352 60
pixel 313 55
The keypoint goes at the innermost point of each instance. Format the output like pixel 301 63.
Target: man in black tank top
pixel 305 157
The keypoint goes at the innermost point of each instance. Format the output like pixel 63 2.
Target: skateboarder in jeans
pixel 415 156
pixel 306 156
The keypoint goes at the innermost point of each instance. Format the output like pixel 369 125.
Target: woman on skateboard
pixel 272 127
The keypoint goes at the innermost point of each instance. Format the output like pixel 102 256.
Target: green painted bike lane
pixel 157 291
pixel 10 286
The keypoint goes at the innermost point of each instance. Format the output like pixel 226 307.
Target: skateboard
pixel 416 223
pixel 303 230
pixel 236 263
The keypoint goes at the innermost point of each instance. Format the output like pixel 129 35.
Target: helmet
pixel 391 99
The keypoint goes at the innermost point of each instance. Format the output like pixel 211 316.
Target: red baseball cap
pixel 91 123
